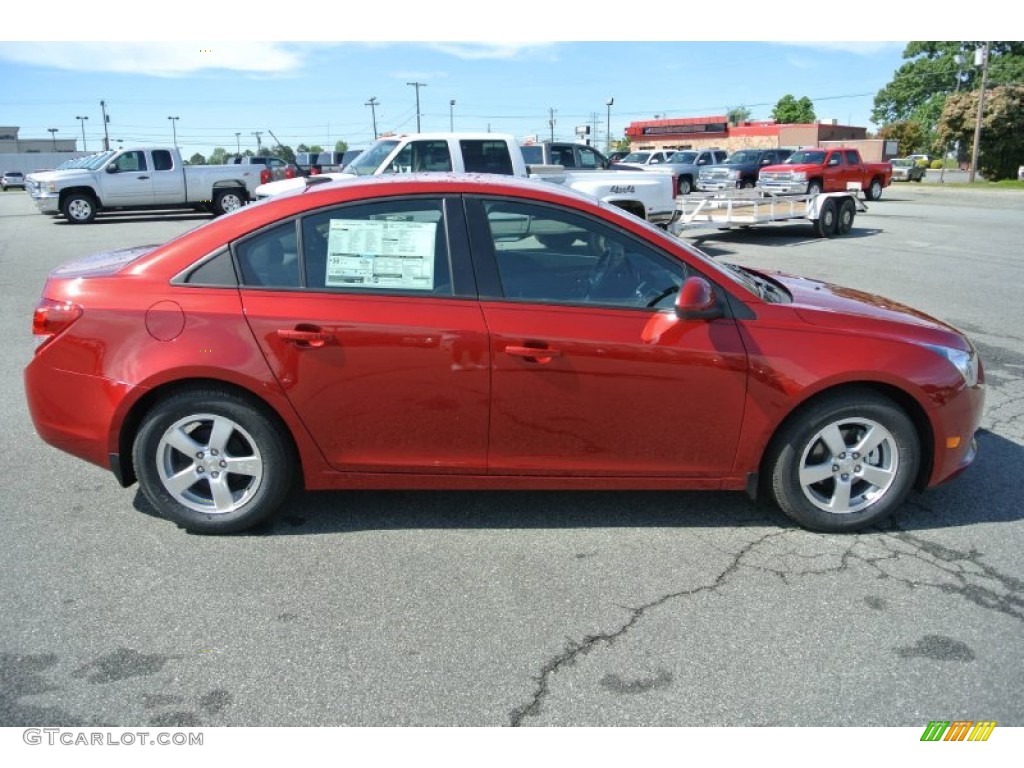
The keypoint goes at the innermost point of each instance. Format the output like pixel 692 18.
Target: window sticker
pixel 381 254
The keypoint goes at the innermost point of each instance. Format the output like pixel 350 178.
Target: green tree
pixel 737 115
pixel 911 135
pixel 316 148
pixel 793 110
pixel 218 157
pixel 197 159
pixel 284 152
pixel 620 145
pixel 303 148
pixel 919 88
pixel 340 146
pixel 1002 125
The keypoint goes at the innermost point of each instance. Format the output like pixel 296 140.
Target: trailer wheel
pixel 847 211
pixel 825 226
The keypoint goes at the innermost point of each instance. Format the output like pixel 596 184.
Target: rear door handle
pixel 535 354
pixel 304 339
pixel 143 178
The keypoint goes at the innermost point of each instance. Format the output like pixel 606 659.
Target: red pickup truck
pixel 811 171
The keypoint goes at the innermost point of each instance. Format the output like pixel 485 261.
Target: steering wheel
pixel 614 276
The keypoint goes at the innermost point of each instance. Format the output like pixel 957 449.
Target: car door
pixel 168 181
pixel 127 180
pixel 583 380
pixel 367 315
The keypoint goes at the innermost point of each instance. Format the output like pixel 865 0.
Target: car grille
pixel 783 176
pixel 715 175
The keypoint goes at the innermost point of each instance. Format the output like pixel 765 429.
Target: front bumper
pixel 709 185
pixel 47 203
pixel 784 188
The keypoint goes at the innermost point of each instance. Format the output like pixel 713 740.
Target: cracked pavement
pixel 535 609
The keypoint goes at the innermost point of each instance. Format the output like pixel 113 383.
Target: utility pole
pixel 174 129
pixel 82 119
pixel 981 110
pixel 106 120
pixel 53 137
pixel 451 116
pixel 551 122
pixel 372 104
pixel 608 125
pixel 417 86
pixel 238 142
pixel 259 146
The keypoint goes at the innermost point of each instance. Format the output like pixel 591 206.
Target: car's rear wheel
pixel 213 462
pixel 874 190
pixel 79 208
pixel 227 200
pixel 844 462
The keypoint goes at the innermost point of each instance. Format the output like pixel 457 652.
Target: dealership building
pixel 716 132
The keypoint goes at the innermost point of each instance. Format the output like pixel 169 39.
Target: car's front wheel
pixel 844 462
pixel 79 208
pixel 212 461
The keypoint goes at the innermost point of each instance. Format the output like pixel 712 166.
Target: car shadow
pixel 983 494
pixel 144 216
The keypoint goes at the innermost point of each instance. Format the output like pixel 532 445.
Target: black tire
pixel 685 185
pixel 814 187
pixel 825 226
pixel 806 476
pixel 237 457
pixel 847 213
pixel 227 200
pixel 79 208
pixel 874 190
pixel 747 184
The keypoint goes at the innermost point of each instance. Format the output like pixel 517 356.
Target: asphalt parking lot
pixel 570 609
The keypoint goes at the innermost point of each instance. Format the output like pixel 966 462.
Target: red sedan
pixel 486 333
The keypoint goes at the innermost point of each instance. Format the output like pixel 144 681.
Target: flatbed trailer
pixel 831 213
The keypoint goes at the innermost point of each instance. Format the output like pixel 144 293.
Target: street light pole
pixel 451 116
pixel 259 147
pixel 959 60
pixel 981 110
pixel 238 143
pixel 372 104
pixel 417 86
pixel 174 129
pixel 82 119
pixel 106 120
pixel 608 125
pixel 53 137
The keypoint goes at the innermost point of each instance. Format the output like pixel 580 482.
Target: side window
pixel 554 256
pixel 386 247
pixel 269 259
pixel 852 157
pixel 131 161
pixel 420 156
pixel 836 158
pixel 162 160
pixel 589 158
pixel 486 156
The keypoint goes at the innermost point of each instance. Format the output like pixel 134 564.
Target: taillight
pixel 314 171
pixel 289 172
pixel 52 318
pixel 265 176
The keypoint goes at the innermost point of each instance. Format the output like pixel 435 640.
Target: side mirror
pixel 112 168
pixel 696 300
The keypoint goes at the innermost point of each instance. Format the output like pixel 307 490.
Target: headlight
pixel 965 362
pixel 51 187
pixel 799 176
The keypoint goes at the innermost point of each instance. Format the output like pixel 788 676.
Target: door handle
pixel 534 354
pixel 143 178
pixel 304 339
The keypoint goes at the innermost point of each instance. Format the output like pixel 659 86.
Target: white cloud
pixel 859 47
pixel 493 50
pixel 164 59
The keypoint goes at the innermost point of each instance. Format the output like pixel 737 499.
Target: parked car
pixel 274 168
pixel 12 180
pixel 740 170
pixel 643 158
pixel 567 154
pixel 407 332
pixel 922 160
pixel 686 164
pixel 905 169
pixel 617 155
pixel 813 170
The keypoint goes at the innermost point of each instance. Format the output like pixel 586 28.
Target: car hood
pixel 286 185
pixel 832 306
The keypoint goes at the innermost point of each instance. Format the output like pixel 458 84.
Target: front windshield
pixel 683 157
pixel 806 157
pixel 903 163
pixel 636 157
pixel 370 160
pixel 96 161
pixel 743 156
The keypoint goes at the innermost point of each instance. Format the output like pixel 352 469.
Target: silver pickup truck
pixel 140 179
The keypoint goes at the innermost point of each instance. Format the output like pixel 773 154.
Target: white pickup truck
pixel 650 196
pixel 139 179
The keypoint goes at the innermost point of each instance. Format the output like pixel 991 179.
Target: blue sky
pixel 316 91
